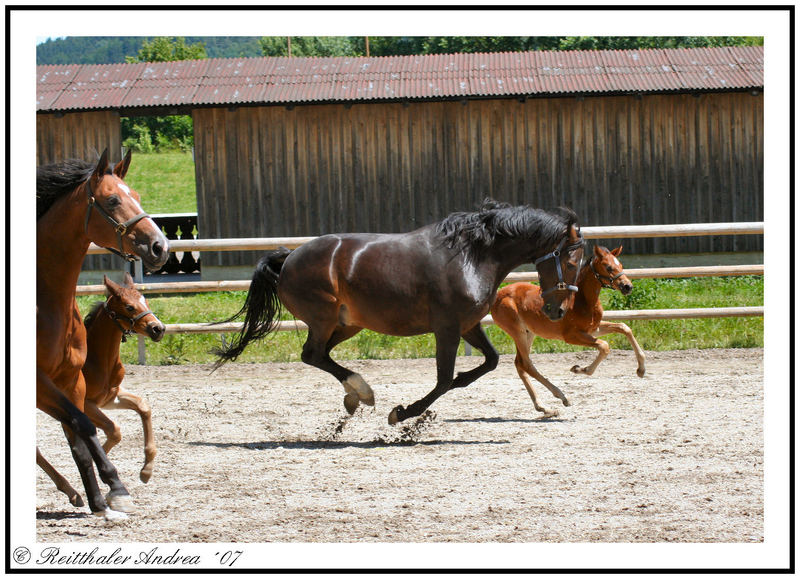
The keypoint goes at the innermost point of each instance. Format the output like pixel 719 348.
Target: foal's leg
pixel 446 350
pixel 589 341
pixel 316 352
pixel 128 401
pixel 522 341
pixel 104 423
pixel 620 328
pixel 61 483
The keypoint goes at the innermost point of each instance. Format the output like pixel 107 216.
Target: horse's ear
pixel 121 168
pixel 598 251
pixel 127 280
pixel 110 285
pixel 574 233
pixel 102 165
pixel 617 251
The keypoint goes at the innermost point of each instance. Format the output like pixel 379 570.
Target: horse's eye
pixel 113 202
pixel 130 308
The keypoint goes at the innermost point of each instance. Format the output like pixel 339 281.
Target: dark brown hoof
pixel 350 402
pixel 397 415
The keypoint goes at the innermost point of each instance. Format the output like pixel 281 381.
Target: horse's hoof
pixel 145 474
pixel 640 372
pixel 111 515
pixel 394 416
pixel 566 402
pixel 75 500
pixel 121 503
pixel 577 370
pixel 350 402
pixel 547 413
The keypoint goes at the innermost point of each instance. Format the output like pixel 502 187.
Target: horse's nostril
pixel 157 249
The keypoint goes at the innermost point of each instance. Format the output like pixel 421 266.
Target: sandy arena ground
pixel 262 453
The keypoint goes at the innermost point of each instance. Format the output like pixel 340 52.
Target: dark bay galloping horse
pixel 78 203
pixel 440 278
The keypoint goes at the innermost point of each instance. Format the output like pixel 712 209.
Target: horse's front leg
pixel 130 401
pixel 620 328
pixel 587 340
pixel 446 350
pixel 477 338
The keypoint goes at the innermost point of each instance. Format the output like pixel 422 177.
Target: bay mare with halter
pixel 440 278
pixel 79 203
pixel 517 310
pixel 108 324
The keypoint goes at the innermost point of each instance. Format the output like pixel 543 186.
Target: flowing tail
pixel 261 309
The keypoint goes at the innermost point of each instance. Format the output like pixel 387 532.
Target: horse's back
pixel 370 280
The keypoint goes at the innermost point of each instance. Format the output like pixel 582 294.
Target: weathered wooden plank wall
pixel 616 160
pixel 77 136
pixel 81 135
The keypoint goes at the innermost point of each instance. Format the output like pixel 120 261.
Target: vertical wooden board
pixel 394 167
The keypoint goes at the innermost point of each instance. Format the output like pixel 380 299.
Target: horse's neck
pixel 103 338
pixel 61 245
pixel 588 286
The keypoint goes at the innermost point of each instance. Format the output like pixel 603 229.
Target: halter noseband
pixel 119 228
pixel 556 254
pixel 116 318
pixel 602 278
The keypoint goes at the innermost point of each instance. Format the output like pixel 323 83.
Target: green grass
pixel 165 181
pixel 647 294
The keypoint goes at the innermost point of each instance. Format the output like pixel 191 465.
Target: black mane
pixel 59 179
pixel 476 231
pixel 92 315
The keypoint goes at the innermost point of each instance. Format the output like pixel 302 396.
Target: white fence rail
pixel 616 231
pixel 624 232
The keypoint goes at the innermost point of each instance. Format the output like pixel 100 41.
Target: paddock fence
pixel 589 232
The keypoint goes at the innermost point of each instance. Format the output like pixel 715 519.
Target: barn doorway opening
pixel 163 172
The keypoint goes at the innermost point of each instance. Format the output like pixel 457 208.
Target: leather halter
pixel 116 318
pixel 561 284
pixel 119 228
pixel 602 278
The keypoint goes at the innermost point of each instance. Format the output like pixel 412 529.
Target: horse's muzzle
pixel 553 313
pixel 156 331
pixel 153 253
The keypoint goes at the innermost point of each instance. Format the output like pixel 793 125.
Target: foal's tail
pixel 261 309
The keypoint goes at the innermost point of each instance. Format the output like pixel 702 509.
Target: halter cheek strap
pixel 602 278
pixel 120 228
pixel 132 321
pixel 561 284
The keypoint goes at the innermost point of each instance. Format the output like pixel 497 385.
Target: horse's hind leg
pixel 316 352
pixel 522 340
pixel 61 483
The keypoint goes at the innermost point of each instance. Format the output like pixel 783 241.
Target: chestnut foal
pixel 517 310
pixel 107 325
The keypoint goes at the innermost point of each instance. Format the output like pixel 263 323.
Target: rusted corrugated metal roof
pixel 281 80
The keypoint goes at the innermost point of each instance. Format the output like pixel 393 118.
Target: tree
pixel 309 46
pixel 168 49
pixel 146 134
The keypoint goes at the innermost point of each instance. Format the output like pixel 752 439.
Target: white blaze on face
pixel 616 261
pixel 143 301
pixel 124 188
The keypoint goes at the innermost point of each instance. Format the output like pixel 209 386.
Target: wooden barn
pixel 307 146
